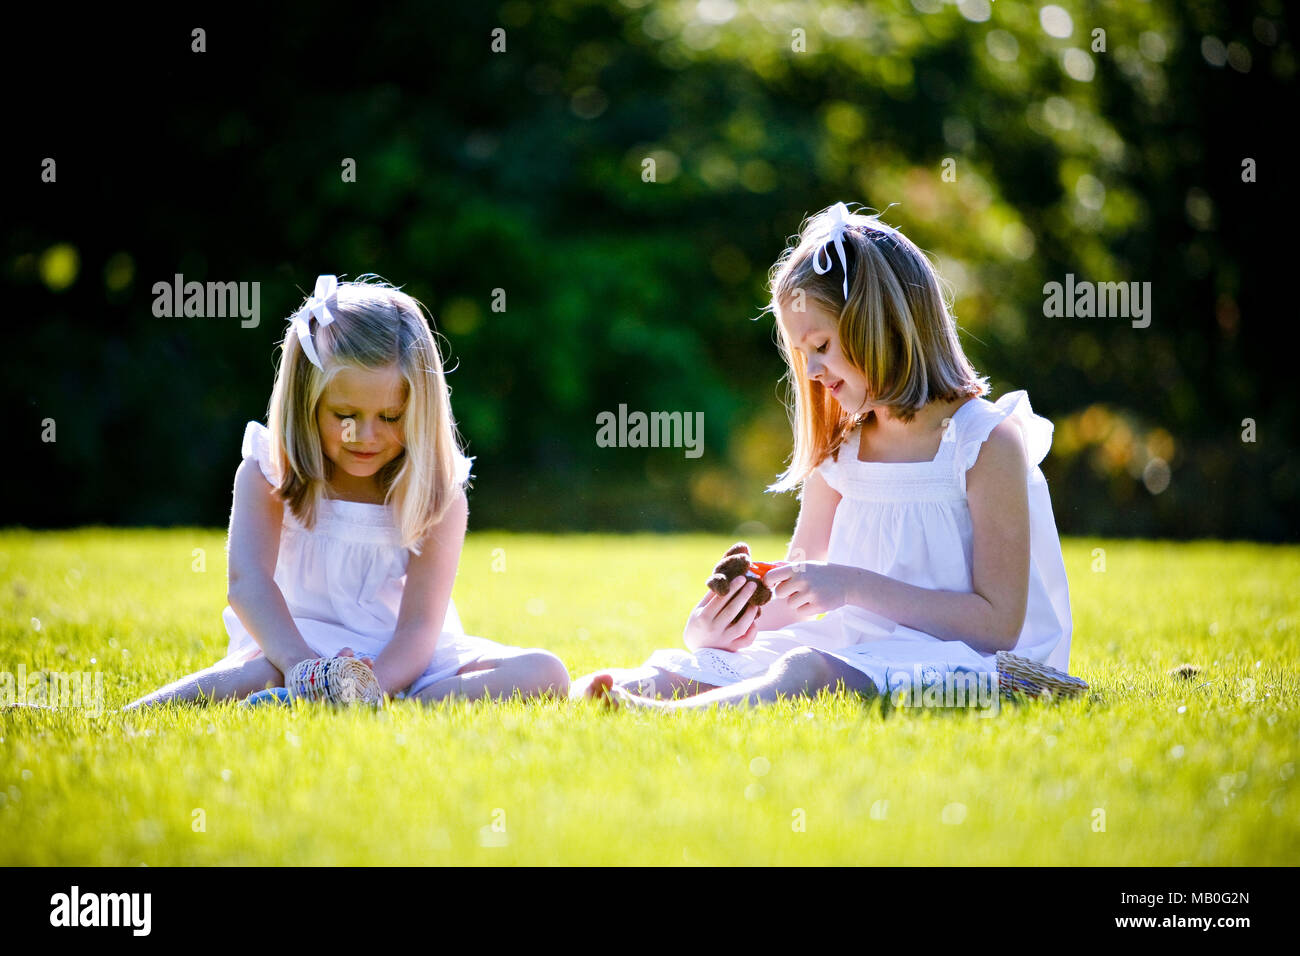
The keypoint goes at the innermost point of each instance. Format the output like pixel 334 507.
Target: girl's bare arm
pixel 253 548
pixel 991 615
pixel 811 541
pixel 989 618
pixel 430 576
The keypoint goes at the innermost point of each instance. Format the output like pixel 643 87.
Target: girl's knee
pixel 819 669
pixel 542 670
pixel 259 668
pixel 243 679
pixel 807 665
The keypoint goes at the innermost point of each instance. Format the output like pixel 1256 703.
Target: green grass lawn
pixel 1148 769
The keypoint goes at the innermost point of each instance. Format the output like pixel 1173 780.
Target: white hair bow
pixel 839 218
pixel 324 298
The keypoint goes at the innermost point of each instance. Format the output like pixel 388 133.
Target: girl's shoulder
pixel 976 420
pixel 257 445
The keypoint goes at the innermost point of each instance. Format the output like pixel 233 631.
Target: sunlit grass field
pixel 1147 769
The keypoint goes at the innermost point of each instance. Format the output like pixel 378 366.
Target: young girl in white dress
pixel 349 516
pixel 925 541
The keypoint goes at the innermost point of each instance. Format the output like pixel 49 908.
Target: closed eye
pixel 381 417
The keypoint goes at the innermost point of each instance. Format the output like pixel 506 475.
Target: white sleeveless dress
pixel 343 582
pixel 911 521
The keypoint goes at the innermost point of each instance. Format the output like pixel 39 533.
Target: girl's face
pixel 814 333
pixel 360 419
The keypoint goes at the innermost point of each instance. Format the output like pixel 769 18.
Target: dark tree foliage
pixel 1012 141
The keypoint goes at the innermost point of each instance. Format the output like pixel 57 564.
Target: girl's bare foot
pixel 594 686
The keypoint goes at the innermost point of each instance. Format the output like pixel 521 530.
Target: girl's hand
pixel 347 652
pixel 813 587
pixel 710 623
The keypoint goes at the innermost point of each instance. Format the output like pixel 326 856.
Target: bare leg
pixel 642 681
pixel 216 684
pixel 804 670
pixel 531 672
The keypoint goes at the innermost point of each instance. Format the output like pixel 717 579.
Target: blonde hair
pixel 896 328
pixel 375 326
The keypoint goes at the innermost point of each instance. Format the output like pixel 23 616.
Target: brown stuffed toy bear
pixel 737 562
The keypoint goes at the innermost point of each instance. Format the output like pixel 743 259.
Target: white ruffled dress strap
pixel 257 445
pixel 462 467
pixel 975 428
